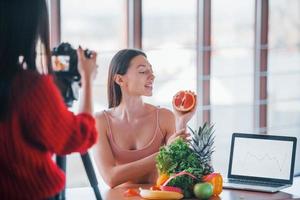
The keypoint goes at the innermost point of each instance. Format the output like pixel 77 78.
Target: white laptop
pixel 261 162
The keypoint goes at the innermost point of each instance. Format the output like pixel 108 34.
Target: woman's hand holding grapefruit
pixel 184 105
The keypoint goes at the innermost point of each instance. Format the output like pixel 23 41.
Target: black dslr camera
pixel 64 63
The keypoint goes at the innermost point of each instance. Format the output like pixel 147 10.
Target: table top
pixel 117 193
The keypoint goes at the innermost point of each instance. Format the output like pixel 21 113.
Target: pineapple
pixel 201 143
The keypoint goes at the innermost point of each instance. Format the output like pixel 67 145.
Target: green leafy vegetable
pixel 179 157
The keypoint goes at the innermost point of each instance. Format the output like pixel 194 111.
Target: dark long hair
pixel 22 24
pixel 119 65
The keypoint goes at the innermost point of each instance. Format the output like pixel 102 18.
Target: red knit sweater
pixel 38 125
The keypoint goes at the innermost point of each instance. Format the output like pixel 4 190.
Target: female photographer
pixel 131 130
pixel 34 121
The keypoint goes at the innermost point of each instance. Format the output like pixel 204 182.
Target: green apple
pixel 203 190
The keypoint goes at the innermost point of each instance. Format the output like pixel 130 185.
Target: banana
pixel 157 194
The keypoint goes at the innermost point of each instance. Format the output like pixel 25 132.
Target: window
pixel 284 71
pixel 231 74
pixel 169 39
pixel 97 25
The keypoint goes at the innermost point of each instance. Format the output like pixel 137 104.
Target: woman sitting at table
pixel 132 131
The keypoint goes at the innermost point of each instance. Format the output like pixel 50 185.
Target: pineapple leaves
pixel 202 143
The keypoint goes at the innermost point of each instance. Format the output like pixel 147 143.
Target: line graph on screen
pixel 266 159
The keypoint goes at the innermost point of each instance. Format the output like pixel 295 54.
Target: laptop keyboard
pixel 251 182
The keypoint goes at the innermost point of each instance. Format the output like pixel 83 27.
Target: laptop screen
pixel 262 156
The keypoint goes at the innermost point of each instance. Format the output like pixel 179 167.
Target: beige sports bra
pixel 125 155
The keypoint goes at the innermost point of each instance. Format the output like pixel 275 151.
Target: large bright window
pixel 231 73
pixel 284 70
pixel 169 39
pixel 98 25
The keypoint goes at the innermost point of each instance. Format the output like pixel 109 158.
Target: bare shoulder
pixel 166 114
pixel 100 116
pixel 101 120
pixel 150 108
pixel 166 120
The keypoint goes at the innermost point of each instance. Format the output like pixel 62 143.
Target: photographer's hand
pixel 87 68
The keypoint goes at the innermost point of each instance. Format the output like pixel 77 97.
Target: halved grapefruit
pixel 184 101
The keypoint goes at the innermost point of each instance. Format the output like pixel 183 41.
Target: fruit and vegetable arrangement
pixel 184 167
pixel 188 165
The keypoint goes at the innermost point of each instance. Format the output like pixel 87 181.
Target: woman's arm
pixel 174 125
pixel 114 174
pixel 167 123
pixel 87 70
pixel 47 122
